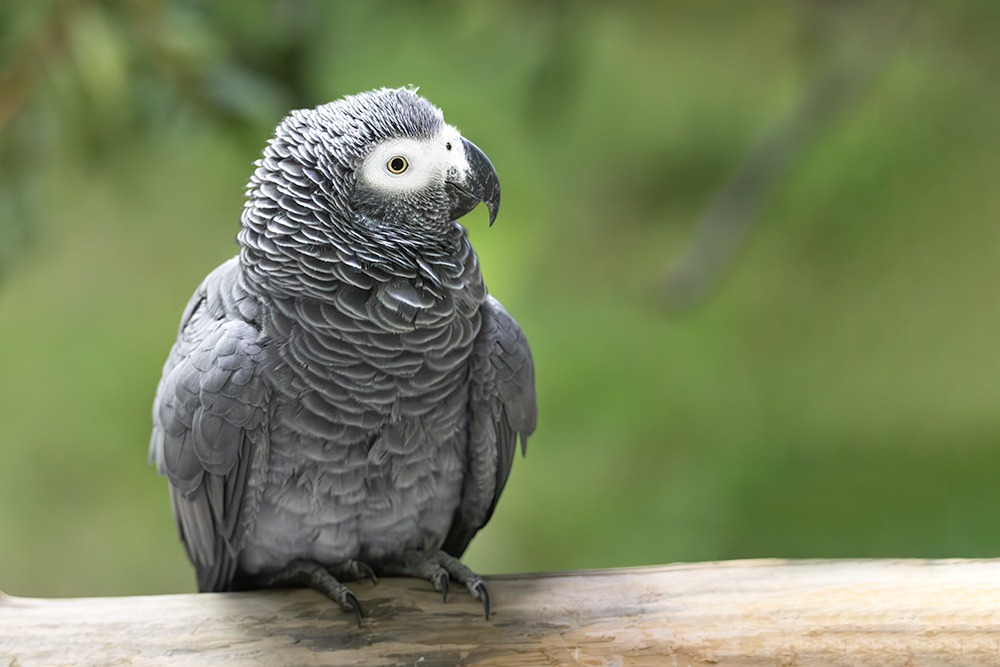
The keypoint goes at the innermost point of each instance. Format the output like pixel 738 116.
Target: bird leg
pixel 438 568
pixel 312 574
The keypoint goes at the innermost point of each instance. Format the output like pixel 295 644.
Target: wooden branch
pixel 860 612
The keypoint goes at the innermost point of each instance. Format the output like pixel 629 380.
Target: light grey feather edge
pixel 502 410
pixel 210 424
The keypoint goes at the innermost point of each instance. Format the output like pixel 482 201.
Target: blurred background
pixel 755 248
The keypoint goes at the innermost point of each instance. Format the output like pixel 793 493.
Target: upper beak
pixel 479 185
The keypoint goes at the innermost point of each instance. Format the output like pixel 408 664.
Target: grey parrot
pixel 344 398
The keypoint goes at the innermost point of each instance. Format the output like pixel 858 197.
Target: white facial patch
pixel 398 166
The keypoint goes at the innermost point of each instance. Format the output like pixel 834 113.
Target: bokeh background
pixel 755 248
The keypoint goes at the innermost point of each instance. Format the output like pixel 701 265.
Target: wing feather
pixel 502 411
pixel 209 425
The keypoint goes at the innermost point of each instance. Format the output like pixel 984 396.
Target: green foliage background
pixel 836 395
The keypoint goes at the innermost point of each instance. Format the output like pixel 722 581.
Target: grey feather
pixel 209 425
pixel 503 410
pixel 345 389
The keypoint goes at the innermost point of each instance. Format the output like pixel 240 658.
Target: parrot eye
pixel 397 164
pixel 447 146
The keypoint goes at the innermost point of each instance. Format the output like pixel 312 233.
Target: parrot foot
pixel 312 574
pixel 439 568
pixel 354 570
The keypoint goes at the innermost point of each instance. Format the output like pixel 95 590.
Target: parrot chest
pixel 363 465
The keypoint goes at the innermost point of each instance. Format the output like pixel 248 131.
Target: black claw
pixel 368 572
pixel 443 586
pixel 351 604
pixel 480 589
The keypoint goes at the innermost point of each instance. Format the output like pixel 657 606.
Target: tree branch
pixel 877 612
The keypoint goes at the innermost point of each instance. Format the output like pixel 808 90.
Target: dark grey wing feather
pixel 209 425
pixel 502 409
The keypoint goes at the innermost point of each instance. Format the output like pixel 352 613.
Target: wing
pixel 502 409
pixel 209 425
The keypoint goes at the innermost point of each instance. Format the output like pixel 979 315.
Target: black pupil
pixel 448 146
pixel 397 164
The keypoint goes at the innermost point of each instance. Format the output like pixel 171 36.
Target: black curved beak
pixel 479 185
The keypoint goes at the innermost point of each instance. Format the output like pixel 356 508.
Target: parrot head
pixel 426 172
pixel 369 183
pixel 383 159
